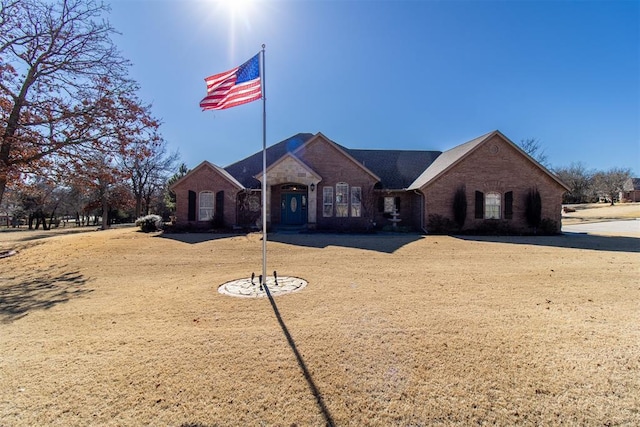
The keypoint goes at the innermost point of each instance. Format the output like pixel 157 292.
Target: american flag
pixel 234 87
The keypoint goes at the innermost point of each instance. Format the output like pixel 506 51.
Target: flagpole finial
pixel 263 46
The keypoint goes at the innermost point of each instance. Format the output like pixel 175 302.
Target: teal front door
pixel 293 209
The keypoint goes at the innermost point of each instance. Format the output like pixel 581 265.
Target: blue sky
pixel 415 75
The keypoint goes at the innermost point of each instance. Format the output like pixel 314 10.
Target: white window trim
pixel 389 204
pixel 492 210
pixel 342 200
pixel 202 210
pixel 356 202
pixel 327 202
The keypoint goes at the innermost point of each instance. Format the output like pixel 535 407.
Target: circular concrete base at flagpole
pixel 245 288
pixel 6 254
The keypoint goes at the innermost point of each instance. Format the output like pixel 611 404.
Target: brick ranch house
pixel 316 183
pixel 630 190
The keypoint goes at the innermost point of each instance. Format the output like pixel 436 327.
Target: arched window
pixel 356 201
pixel 492 205
pixel 342 199
pixel 327 201
pixel 205 213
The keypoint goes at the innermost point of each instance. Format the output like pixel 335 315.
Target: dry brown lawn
pixel 592 212
pixel 121 328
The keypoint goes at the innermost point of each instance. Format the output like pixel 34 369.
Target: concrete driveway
pixel 628 228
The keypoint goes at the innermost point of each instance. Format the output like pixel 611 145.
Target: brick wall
pixel 334 167
pixel 495 166
pixel 205 178
pixel 409 212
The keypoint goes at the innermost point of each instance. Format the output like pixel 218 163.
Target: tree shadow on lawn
pixel 26 235
pixel 567 240
pixel 39 291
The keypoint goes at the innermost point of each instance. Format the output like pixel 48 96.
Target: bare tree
pixel 149 174
pixel 532 147
pixel 610 183
pixel 579 180
pixel 11 211
pixel 103 182
pixel 64 88
pixel 170 196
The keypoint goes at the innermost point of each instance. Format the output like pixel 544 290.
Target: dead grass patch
pixel 592 212
pixel 124 328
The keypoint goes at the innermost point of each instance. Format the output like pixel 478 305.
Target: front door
pixel 293 209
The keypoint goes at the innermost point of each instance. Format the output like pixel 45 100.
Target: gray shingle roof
pixel 457 153
pixel 632 184
pixel 246 169
pixel 397 169
pixel 447 159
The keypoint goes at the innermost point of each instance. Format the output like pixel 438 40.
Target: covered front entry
pixel 293 206
pixel 291 193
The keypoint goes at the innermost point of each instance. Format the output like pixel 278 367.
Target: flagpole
pixel 264 173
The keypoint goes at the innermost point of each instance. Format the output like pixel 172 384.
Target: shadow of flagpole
pixel 307 375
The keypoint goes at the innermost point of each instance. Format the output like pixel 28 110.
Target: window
pixel 389 204
pixel 492 206
pixel 206 206
pixel 342 199
pixel 356 201
pixel 327 201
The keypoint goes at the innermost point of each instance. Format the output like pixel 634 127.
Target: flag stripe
pixel 220 93
pixel 214 81
pixel 237 95
pixel 237 86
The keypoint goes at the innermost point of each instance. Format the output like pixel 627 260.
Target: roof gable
pixel 344 152
pixel 288 159
pixel 226 175
pixel 394 169
pixel 446 160
pixel 632 184
pixel 247 169
pixel 451 157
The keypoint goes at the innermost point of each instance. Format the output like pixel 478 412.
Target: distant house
pixel 316 183
pixel 631 190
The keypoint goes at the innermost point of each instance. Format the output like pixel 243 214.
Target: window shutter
pixel 508 205
pixel 479 205
pixel 380 204
pixel 220 205
pixel 398 204
pixel 220 202
pixel 191 214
